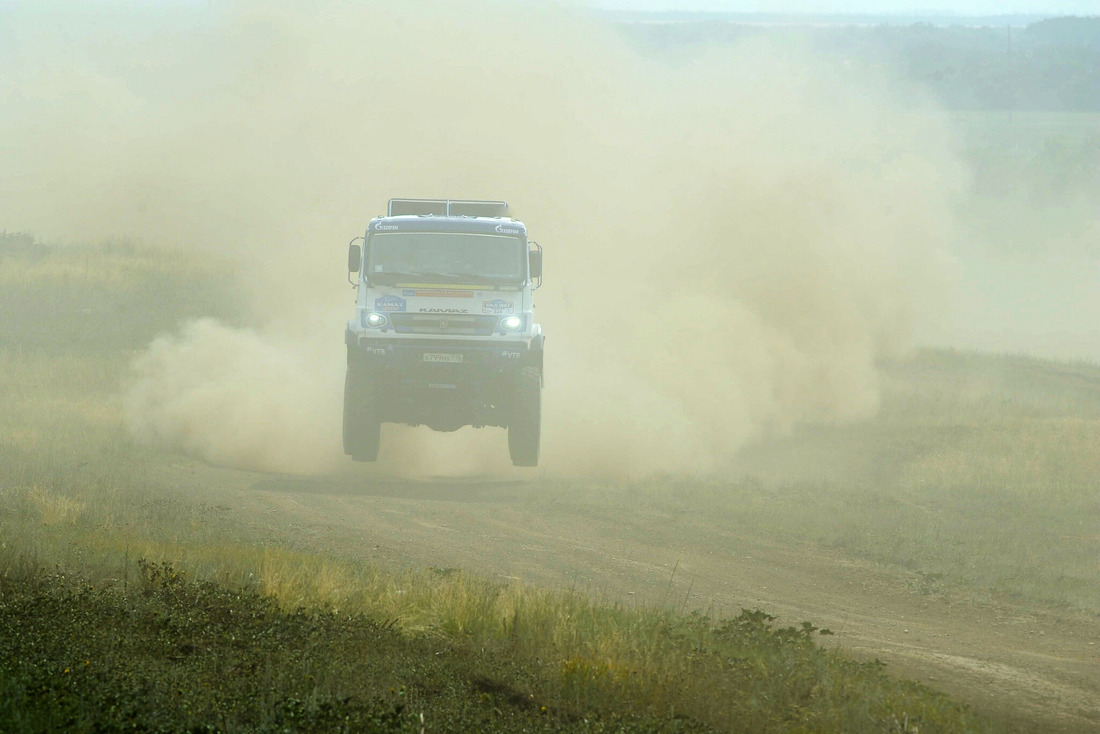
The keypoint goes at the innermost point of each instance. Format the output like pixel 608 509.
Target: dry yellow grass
pixel 55 509
pixel 1042 458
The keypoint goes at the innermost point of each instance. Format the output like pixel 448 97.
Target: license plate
pixel 443 357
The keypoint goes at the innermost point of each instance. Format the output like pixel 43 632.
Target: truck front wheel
pixel 525 426
pixel 362 429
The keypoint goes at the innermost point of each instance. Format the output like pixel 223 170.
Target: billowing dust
pixel 731 242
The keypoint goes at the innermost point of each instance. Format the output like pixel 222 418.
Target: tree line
pixel 1051 64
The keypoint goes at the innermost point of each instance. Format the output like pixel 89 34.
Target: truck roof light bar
pixel 447 208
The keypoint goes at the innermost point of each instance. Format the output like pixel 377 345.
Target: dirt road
pixel 1032 668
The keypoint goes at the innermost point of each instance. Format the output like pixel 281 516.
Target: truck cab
pixel 444 333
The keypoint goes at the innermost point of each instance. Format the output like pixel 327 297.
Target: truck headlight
pixel 511 323
pixel 374 320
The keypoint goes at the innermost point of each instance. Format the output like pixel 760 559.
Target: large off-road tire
pixel 362 429
pixel 525 426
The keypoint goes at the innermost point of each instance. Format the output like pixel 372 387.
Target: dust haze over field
pixel 732 242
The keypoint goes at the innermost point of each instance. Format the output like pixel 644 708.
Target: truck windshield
pixel 446 257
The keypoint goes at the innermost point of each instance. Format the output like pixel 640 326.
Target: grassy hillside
pixel 978 477
pixel 99 633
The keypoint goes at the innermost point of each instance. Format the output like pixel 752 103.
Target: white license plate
pixel 443 357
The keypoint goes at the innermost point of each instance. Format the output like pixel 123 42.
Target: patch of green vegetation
pixel 170 654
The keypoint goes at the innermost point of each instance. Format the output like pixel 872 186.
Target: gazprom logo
pixel 507 230
pixel 384 227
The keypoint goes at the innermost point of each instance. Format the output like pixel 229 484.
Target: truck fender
pixel 536 351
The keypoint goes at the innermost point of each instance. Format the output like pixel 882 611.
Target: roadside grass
pixel 239 633
pixel 618 668
pixel 169 653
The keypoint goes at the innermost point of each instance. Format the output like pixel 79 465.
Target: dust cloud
pixel 205 390
pixel 732 242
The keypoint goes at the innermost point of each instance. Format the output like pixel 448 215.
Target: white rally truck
pixel 444 333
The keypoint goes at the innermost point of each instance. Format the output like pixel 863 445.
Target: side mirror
pixel 355 256
pixel 536 264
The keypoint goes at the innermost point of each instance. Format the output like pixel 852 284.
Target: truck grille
pixel 444 323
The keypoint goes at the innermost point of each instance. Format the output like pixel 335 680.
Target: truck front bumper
pixel 443 383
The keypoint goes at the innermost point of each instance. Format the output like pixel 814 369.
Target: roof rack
pixel 448 207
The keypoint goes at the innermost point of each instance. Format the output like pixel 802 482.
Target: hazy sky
pixel 940 7
pixel 958 7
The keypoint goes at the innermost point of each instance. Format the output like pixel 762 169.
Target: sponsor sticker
pixel 432 293
pixel 389 303
pixel 444 310
pixel 378 226
pixel 506 230
pixel 498 306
